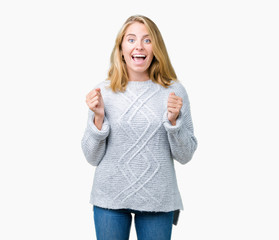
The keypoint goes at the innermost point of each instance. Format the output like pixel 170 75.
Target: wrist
pixel 99 117
pixel 173 122
pixel 98 121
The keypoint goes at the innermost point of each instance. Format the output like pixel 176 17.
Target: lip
pixel 141 62
pixel 138 62
pixel 138 53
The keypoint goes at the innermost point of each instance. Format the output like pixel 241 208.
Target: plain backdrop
pixel 52 53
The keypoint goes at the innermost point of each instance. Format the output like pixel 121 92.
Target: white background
pixel 52 53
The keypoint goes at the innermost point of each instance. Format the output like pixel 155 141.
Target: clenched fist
pixel 174 105
pixel 94 101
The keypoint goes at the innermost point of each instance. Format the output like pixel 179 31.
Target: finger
pixel 174 97
pixel 178 103
pixel 98 93
pixel 173 110
pixel 90 95
pixel 96 98
pixel 98 89
pixel 93 94
pixel 170 110
pixel 93 104
pixel 90 99
pixel 171 100
pixel 174 101
pixel 94 91
pixel 174 106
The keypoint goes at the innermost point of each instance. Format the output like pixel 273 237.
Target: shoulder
pixel 103 85
pixel 179 89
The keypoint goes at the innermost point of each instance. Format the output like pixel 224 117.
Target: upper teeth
pixel 138 55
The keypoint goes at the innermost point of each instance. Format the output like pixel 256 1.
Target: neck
pixel 138 76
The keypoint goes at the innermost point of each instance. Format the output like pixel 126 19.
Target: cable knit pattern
pixel 135 150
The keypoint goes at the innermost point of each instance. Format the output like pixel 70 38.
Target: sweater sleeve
pixel 93 142
pixel 181 137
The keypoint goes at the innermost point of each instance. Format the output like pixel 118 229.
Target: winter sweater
pixel 136 147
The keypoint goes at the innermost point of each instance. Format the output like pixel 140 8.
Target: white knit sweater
pixel 135 150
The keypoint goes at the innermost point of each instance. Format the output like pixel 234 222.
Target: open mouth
pixel 138 58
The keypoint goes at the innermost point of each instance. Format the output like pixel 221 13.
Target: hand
pixel 95 102
pixel 174 105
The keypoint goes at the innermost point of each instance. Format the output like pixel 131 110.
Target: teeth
pixel 138 55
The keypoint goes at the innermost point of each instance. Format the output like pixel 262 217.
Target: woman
pixel 139 122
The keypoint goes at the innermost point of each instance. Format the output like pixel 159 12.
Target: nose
pixel 139 45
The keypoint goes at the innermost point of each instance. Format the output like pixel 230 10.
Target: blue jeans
pixel 116 224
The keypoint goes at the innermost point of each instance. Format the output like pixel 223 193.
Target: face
pixel 137 49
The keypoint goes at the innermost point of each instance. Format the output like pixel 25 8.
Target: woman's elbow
pixel 92 161
pixel 186 156
pixel 92 157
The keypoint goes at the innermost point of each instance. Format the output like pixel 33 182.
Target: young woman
pixel 139 122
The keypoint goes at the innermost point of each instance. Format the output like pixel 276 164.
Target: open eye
pixel 147 40
pixel 130 40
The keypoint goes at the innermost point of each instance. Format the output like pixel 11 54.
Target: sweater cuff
pixel 169 127
pixel 98 134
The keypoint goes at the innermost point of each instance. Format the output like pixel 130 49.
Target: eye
pixel 147 40
pixel 131 40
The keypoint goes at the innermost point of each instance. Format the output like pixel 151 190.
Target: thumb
pixel 98 89
pixel 172 93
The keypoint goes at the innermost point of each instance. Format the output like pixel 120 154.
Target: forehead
pixel 136 28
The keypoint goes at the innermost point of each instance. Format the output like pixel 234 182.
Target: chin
pixel 140 70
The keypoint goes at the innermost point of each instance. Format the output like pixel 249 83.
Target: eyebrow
pixel 134 35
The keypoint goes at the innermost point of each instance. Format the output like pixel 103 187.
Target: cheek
pixel 150 51
pixel 125 48
pixel 151 55
pixel 126 54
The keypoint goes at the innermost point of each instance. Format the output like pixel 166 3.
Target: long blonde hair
pixel 160 69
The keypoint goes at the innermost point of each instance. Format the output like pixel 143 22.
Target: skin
pixel 94 101
pixel 135 41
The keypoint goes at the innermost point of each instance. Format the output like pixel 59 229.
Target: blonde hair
pixel 160 69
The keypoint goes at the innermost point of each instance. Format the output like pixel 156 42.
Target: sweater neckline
pixel 140 83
